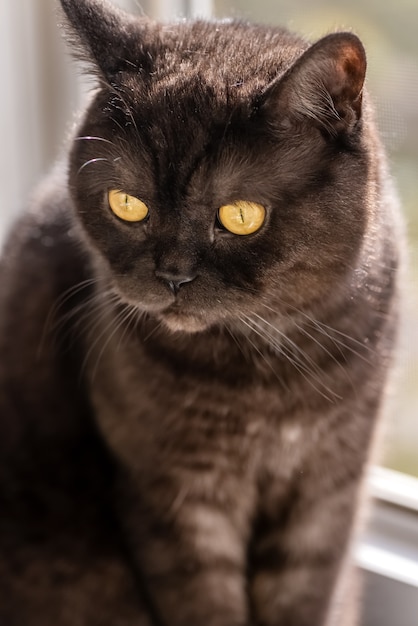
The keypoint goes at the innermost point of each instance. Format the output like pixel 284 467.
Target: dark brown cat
pixel 197 319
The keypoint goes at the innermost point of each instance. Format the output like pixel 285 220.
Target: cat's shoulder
pixel 45 243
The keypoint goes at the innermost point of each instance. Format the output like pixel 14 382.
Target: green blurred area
pixel 389 32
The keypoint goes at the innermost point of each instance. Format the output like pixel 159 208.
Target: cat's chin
pixel 180 322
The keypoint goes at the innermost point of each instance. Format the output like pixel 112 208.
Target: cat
pixel 198 315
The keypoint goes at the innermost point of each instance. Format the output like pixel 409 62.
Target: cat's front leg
pixel 192 557
pixel 298 553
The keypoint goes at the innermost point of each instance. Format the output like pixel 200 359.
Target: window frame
pixel 387 552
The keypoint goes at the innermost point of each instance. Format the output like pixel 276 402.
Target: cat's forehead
pixel 236 55
pixel 194 105
pixel 184 106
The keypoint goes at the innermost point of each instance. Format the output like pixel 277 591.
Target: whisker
pixel 93 304
pixel 326 330
pixel 104 309
pixel 290 342
pixel 256 348
pixel 117 322
pixel 82 316
pixel 279 347
pixel 323 328
pixel 90 162
pixel 153 331
pixel 328 353
pixel 237 342
pixel 133 318
pixel 309 373
pixel 92 138
pixel 70 293
pixel 63 299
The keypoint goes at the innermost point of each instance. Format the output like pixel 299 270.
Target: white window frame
pixel 388 552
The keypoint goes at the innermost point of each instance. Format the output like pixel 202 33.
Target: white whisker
pixel 300 360
pixel 247 323
pixel 326 330
pixel 133 319
pixel 286 341
pixel 92 138
pixel 54 320
pixel 80 320
pixel 91 162
pixel 237 342
pixel 117 322
pixel 153 331
pixel 104 308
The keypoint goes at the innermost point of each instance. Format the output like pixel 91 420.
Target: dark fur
pixel 195 458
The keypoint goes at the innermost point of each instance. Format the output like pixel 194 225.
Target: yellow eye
pixel 241 217
pixel 127 207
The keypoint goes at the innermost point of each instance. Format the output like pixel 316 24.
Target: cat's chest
pixel 158 414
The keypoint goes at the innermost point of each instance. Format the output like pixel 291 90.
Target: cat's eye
pixel 242 217
pixel 126 207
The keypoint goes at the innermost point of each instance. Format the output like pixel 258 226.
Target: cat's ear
pixel 103 35
pixel 325 85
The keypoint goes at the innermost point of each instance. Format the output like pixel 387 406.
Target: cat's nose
pixel 175 280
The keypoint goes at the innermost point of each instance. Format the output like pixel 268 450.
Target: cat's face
pixel 210 189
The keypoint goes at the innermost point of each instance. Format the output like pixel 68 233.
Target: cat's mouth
pixel 174 315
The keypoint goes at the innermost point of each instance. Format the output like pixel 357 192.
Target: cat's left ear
pixel 105 36
pixel 325 85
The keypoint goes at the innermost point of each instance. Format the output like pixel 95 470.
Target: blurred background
pixel 42 91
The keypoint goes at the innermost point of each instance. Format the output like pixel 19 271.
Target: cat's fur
pixel 195 458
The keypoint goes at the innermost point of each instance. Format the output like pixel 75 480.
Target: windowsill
pixel 388 551
pixel 390 545
pixel 394 487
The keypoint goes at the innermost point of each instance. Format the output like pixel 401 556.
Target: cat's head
pixel 221 168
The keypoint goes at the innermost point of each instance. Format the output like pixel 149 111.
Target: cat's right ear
pixel 105 37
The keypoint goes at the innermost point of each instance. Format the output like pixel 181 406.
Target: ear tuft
pixel 102 35
pixel 325 85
